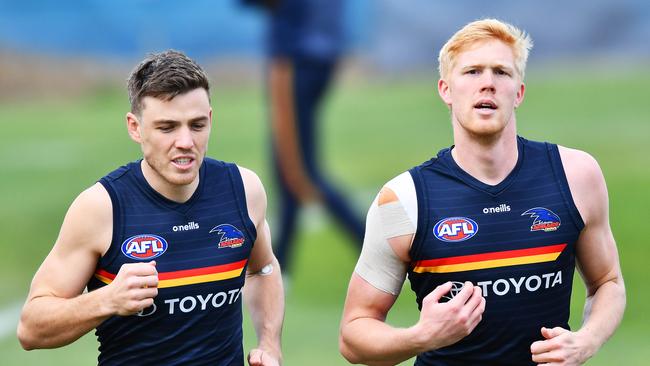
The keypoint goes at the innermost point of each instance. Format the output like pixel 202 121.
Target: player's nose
pixel 184 139
pixel 487 81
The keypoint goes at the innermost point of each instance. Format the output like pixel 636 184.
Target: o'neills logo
pixel 189 226
pixel 501 208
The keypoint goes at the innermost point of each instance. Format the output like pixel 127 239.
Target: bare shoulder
pixel 586 181
pixel 255 194
pixel 85 235
pixel 251 180
pixel 95 204
pixel 386 196
pixel 579 164
pixel 96 198
pixel 89 221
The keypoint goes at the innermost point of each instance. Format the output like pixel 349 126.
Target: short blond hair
pixel 485 30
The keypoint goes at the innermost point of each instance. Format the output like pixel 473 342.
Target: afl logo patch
pixel 454 229
pixel 230 236
pixel 144 246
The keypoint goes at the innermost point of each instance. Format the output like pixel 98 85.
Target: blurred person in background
pixel 305 41
pixel 489 233
pixel 164 244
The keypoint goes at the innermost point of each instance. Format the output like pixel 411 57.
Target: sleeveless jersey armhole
pixel 114 246
pixel 560 176
pixel 423 213
pixel 240 195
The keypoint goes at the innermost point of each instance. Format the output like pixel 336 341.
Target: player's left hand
pixel 561 347
pixel 258 357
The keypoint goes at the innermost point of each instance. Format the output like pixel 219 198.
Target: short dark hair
pixel 164 75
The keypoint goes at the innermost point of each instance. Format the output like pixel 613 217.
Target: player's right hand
pixel 445 323
pixel 133 289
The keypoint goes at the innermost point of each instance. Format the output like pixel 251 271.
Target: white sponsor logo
pixel 455 289
pixel 532 283
pixel 189 226
pixel 501 208
pixel 147 311
pixel 201 302
pixel 503 286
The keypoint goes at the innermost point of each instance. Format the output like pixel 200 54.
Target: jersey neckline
pixel 166 202
pixel 493 190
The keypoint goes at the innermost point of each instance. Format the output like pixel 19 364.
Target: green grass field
pixel 372 131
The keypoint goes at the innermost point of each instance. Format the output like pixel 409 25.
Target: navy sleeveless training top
pixel 201 248
pixel 516 240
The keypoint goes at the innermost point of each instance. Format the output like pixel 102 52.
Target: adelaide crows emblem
pixel 543 219
pixel 231 237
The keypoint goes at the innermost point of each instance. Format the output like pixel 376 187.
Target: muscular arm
pixel 56 312
pixel 263 291
pixel 366 338
pixel 598 263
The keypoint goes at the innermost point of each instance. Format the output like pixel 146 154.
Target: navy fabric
pixel 201 248
pixel 516 240
pixel 308 29
pixel 308 36
pixel 310 81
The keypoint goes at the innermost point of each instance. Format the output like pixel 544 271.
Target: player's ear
pixel 443 91
pixel 133 126
pixel 520 95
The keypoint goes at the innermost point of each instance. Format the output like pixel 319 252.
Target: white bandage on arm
pixel 378 264
pixel 394 220
pixel 266 270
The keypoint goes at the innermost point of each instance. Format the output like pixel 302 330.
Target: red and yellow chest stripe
pixel 489 260
pixel 188 276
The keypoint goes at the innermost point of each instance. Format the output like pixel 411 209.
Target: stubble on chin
pixel 168 175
